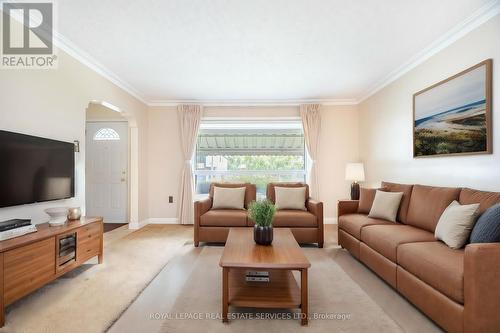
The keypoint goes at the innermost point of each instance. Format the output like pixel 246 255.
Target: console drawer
pixel 28 268
pixel 89 233
pixel 88 249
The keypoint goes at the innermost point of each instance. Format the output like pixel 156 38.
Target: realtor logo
pixel 27 35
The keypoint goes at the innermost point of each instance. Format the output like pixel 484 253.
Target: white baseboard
pixel 163 220
pixel 174 220
pixel 153 220
pixel 137 225
pixel 330 220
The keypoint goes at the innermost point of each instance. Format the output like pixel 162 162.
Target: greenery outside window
pixel 257 152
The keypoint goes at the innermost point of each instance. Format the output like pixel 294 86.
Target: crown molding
pixel 86 59
pixel 64 44
pixel 252 102
pixel 480 16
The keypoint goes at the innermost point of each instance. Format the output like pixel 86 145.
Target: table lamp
pixel 356 173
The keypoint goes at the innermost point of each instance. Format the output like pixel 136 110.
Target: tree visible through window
pixel 255 152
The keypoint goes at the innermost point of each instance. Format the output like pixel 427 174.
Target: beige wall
pixel 379 130
pixel 56 109
pixel 97 112
pixel 251 111
pixel 386 120
pixel 339 144
pixel 52 104
pixel 164 162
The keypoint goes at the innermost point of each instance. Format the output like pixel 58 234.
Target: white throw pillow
pixel 229 198
pixel 385 205
pixel 456 223
pixel 290 197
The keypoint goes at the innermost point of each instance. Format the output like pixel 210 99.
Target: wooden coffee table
pixel 241 254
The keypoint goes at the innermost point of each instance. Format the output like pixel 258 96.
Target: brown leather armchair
pixel 306 226
pixel 212 225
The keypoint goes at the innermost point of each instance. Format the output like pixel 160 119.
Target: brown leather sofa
pixel 212 225
pixel 458 289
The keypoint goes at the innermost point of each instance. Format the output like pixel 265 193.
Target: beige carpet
pixel 331 293
pixel 92 297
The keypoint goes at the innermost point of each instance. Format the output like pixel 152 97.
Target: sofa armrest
pixel 200 208
pixel 482 287
pixel 316 208
pixel 347 207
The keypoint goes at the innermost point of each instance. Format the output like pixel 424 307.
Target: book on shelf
pixel 12 233
pixel 257 279
pixel 257 273
pixel 257 276
pixel 14 224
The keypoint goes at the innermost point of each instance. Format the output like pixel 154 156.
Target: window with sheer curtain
pixel 257 152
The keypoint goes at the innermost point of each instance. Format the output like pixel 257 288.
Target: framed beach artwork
pixel 453 117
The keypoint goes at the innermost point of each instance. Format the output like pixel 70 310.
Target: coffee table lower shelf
pixel 281 292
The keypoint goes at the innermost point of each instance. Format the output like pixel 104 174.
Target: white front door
pixel 106 162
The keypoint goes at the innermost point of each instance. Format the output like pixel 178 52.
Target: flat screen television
pixel 34 169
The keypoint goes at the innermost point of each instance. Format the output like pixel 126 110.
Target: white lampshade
pixel 355 172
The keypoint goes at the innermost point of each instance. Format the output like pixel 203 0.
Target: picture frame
pixel 454 116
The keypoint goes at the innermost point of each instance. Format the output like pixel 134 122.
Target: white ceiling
pixel 257 49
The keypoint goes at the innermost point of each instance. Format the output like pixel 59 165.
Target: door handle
pixel 122 180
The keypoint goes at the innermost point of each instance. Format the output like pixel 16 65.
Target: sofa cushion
pixel 385 239
pixel 386 205
pixel 366 197
pixel 250 192
pixel 271 195
pixel 290 197
pixel 405 201
pixel 294 218
pixel 427 203
pixel 437 265
pixel 487 228
pixel 228 198
pixel 224 218
pixel 353 223
pixel 456 223
pixel 483 198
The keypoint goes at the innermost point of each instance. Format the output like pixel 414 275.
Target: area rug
pixel 336 303
pixel 90 298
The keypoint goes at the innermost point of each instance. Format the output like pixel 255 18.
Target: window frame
pixel 226 123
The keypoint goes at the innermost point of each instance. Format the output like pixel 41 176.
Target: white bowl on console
pixel 58 215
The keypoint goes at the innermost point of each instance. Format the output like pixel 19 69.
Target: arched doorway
pixel 111 164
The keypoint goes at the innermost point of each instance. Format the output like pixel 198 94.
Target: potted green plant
pixel 262 213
